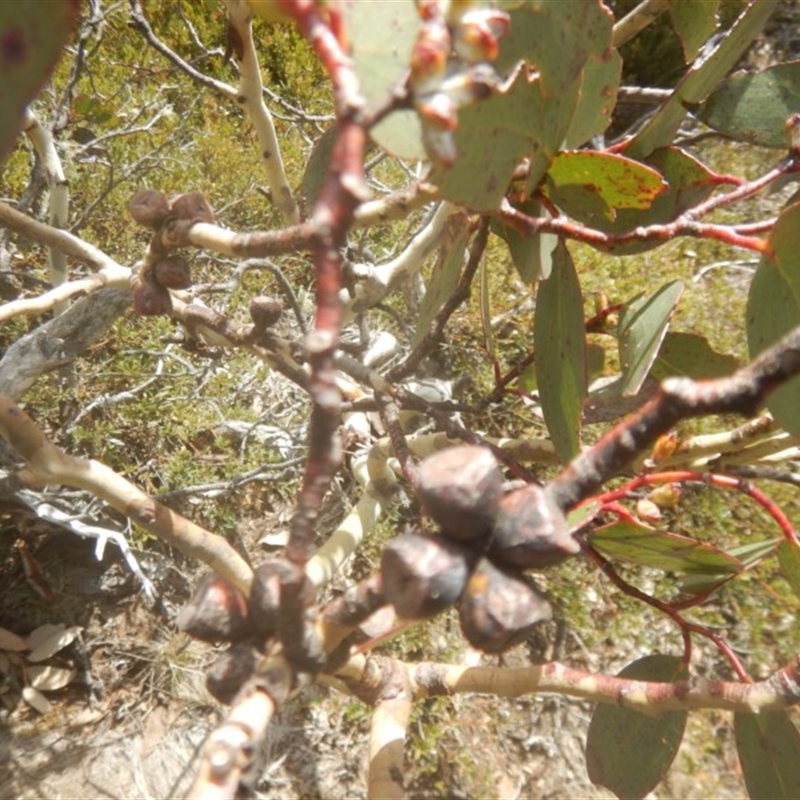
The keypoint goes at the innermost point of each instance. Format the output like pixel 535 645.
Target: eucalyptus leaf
pixel 769 753
pixel 691 355
pixel 32 36
pixel 627 751
pixel 701 79
pixel 694 22
pixel 789 560
pixel 754 107
pixel 560 343
pixel 773 307
pixel 642 327
pixel 588 184
pixel 670 552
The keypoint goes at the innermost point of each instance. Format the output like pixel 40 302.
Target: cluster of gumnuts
pixel 490 534
pixel 161 270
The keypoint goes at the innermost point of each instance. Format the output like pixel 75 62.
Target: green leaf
pixel 445 274
pixel 556 38
pixel 629 752
pixel 753 107
pixel 769 753
pixel 688 183
pixel 773 307
pixel 601 79
pixel 789 560
pixel 495 134
pixel 532 255
pixel 694 22
pixel 690 355
pixel 753 552
pixel 560 343
pixel 670 552
pixel 317 168
pixel 381 37
pixel 700 80
pixel 588 184
pixel 32 35
pixel 642 326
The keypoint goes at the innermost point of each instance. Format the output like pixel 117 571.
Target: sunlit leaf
pixel 588 185
pixel 556 38
pixel 629 752
pixel 700 80
pixel 670 552
pixel 688 183
pixel 768 746
pixel 601 78
pixel 753 552
pixel 381 37
pixel 694 22
pixel 12 643
pixel 642 327
pixel 57 639
pixel 32 37
pixel 773 307
pixel 36 700
pixel 691 355
pixel 789 560
pixel 560 343
pixel 754 107
pixel 495 134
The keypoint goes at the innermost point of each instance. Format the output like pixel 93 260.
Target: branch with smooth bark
pixel 45 463
pixel 743 393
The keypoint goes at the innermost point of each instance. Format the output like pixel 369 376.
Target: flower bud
pixel 192 206
pixel 265 312
pixel 150 299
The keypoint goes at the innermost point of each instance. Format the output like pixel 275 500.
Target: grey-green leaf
pixel 769 753
pixel 754 107
pixel 629 752
pixel 560 342
pixel 642 326
pixel 773 307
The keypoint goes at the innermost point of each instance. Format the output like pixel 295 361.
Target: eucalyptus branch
pixel 250 97
pixel 638 19
pixel 68 243
pixel 58 201
pixel 373 283
pixel 46 463
pixel 777 693
pixel 678 398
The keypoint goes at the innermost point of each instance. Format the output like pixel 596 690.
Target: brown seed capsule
pixel 461 488
pixel 229 672
pixel 265 311
pixel 498 609
pixel 265 596
pixel 423 575
pixel 217 612
pixel 173 273
pixel 192 206
pixel 150 299
pixel 149 207
pixel 530 531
